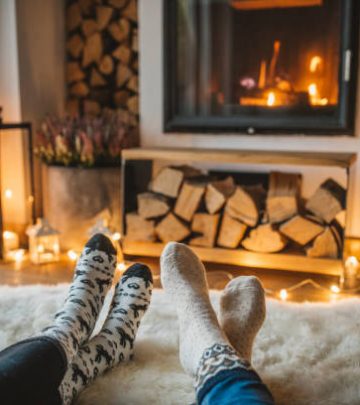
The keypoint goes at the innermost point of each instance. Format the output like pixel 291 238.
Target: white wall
pixel 31 84
pixel 12 145
pixel 151 102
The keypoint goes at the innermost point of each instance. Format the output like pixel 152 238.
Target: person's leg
pixel 220 374
pixel 32 370
pixel 115 342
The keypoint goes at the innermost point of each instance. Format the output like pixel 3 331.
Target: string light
pixel 283 294
pixel 116 236
pixel 335 289
pixel 72 255
pixel 121 266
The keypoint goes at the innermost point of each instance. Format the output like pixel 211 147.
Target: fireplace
pixel 259 66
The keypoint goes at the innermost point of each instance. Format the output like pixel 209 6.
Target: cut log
pixel 327 201
pixel 151 205
pixel 123 74
pixel 207 226
pixel 245 204
pixel 135 41
pixel 89 27
pixel 325 245
pixel 91 107
pixel 121 98
pixel 301 230
pixel 133 104
pixel 169 180
pixel 264 239
pixel 217 193
pixel 139 229
pixel 75 46
pixel 74 72
pixel 189 200
pixel 283 195
pixel 103 16
pixel 106 65
pixel 79 89
pixel 172 229
pixel 130 11
pixel 120 30
pixel 117 3
pixel 341 219
pixel 133 85
pixel 73 16
pixel 72 107
pixel 231 232
pixel 96 79
pixel 92 50
pixel 123 54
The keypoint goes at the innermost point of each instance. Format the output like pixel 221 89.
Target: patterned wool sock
pixel 115 342
pixel 183 278
pixel 93 277
pixel 242 313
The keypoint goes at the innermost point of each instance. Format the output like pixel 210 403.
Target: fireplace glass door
pixel 260 66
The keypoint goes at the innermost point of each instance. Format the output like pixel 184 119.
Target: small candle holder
pixel 44 244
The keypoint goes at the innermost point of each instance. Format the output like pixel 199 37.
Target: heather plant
pixel 83 141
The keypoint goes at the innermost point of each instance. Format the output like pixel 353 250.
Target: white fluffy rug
pixel 306 353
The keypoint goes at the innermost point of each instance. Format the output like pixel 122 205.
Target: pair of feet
pixel 89 357
pixel 208 345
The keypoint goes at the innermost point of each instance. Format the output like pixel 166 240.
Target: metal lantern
pixel 44 244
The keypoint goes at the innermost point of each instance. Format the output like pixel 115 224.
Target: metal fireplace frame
pixel 342 124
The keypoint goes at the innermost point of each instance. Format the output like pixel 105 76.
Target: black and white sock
pixel 115 342
pixel 93 277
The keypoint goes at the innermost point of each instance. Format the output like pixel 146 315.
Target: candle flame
pixel 8 193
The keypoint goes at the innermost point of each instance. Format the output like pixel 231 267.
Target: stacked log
pixel 102 58
pixel 182 204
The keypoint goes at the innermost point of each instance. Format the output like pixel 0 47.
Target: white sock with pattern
pixel 115 342
pixel 93 277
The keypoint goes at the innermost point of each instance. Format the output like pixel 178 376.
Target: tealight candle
pixel 11 241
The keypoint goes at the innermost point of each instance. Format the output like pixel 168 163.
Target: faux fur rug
pixel 306 353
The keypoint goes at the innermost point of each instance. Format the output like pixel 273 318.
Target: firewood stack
pixel 102 57
pixel 182 204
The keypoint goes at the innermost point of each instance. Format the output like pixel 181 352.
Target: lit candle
pixel 11 241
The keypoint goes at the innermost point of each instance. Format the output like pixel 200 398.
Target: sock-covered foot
pixel 242 313
pixel 115 342
pixel 183 278
pixel 93 277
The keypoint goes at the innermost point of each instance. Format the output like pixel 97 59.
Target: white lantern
pixel 44 244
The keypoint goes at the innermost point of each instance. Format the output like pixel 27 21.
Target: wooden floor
pixel 218 276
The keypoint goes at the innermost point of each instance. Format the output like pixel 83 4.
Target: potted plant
pixel 81 172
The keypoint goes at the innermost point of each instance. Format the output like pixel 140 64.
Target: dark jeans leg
pixel 31 372
pixel 237 386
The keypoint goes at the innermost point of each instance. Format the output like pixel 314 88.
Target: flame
pixel 313 91
pixel 315 63
pixel 271 99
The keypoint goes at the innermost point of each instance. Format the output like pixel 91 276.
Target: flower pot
pixel 75 198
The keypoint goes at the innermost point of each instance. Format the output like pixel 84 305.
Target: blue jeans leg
pixel 236 386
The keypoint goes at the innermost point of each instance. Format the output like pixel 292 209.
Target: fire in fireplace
pixel 260 65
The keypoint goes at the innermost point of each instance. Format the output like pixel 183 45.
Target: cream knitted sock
pixel 242 313
pixel 183 278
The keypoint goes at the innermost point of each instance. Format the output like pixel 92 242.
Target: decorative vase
pixel 75 198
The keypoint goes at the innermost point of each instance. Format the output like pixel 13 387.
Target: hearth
pixel 260 66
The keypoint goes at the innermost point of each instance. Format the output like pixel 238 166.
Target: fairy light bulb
pixel 72 255
pixel 283 294
pixel 335 289
pixel 8 193
pixel 116 236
